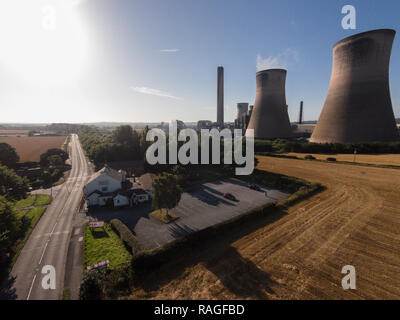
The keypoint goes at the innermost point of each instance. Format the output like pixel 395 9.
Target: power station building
pixel 269 117
pixel 358 106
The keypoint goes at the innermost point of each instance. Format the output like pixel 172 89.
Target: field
pixel 30 148
pixel 9 132
pixel 377 159
pixel 299 253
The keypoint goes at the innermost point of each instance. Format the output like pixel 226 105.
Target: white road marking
pixel 30 290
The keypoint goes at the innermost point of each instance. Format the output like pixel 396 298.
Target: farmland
pixel 299 253
pixel 13 132
pixel 30 148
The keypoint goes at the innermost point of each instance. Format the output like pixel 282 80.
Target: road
pixel 300 253
pixel 48 244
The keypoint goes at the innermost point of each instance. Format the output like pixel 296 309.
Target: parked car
pixel 254 187
pixel 230 196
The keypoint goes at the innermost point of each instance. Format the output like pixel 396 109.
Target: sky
pixel 156 60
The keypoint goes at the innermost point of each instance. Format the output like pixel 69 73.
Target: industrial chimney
pixel 358 107
pixel 301 113
pixel 269 117
pixel 220 97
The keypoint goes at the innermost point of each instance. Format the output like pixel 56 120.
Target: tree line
pixel 122 144
pixel 282 145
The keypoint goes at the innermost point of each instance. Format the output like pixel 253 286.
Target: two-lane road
pixel 49 241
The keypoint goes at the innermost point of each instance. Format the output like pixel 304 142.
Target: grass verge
pixel 27 202
pixel 43 200
pixel 162 216
pixel 104 244
pixel 31 217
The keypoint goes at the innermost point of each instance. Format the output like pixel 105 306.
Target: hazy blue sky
pixel 126 60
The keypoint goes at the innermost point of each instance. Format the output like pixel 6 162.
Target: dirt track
pixel 300 254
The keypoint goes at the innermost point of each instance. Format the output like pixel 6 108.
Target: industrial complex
pixel 357 108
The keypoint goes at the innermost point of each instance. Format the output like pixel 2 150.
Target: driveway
pixel 202 207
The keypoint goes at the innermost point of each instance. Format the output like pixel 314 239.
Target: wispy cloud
pixel 154 92
pixel 281 60
pixel 169 50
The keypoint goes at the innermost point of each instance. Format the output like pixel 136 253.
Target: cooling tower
pixel 269 117
pixel 220 96
pixel 241 108
pixel 358 107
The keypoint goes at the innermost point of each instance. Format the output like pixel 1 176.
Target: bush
pixel 91 286
pixel 309 157
pixel 117 282
pixel 331 159
pixel 126 235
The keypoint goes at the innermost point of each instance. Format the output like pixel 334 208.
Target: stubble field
pixel 30 148
pixel 299 254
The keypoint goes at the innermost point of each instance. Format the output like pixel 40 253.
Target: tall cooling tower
pixel 358 107
pixel 241 108
pixel 269 117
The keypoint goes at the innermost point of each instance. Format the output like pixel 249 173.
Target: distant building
pixel 204 124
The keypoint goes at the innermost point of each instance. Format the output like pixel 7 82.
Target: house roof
pixel 146 180
pixel 108 171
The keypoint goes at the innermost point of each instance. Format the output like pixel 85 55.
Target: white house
pixel 107 185
pixel 105 180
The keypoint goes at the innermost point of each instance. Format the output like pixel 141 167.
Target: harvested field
pixel 299 254
pixel 30 148
pixel 6 132
pixel 377 159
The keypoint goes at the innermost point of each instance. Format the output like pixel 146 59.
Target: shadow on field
pixel 215 252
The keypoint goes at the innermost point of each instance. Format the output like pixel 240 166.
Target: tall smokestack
pixel 358 107
pixel 301 113
pixel 270 118
pixel 220 97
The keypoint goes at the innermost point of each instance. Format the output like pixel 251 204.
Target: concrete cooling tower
pixel 269 117
pixel 358 107
pixel 241 108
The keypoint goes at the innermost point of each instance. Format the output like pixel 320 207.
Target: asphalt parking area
pixel 198 209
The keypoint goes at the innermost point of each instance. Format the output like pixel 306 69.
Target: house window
pixel 104 188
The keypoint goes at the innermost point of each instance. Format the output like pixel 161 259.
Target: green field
pixel 33 200
pixel 104 245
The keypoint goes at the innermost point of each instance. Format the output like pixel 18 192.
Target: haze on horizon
pixel 85 61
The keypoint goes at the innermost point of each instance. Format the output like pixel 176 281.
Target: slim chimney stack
pixel 220 97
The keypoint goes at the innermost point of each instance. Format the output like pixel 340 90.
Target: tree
pixel 47 177
pixel 12 185
pixel 91 286
pixel 55 160
pixel 8 155
pixel 123 134
pixel 44 157
pixel 9 230
pixel 166 191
